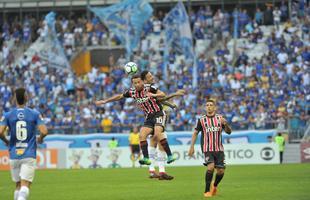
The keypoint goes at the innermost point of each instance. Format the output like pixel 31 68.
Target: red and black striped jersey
pixel 211 133
pixel 149 105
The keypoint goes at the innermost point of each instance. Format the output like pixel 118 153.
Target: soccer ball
pixel 131 68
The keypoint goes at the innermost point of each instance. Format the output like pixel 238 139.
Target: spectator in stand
pixel 279 79
pixel 276 17
pixel 259 16
pixel 268 16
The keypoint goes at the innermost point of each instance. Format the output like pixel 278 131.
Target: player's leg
pixel 161 158
pixel 132 156
pixel 152 152
pixel 159 128
pixel 144 132
pixel 219 176
pixel 15 171
pixel 220 169
pixel 16 192
pixel 27 170
pixel 24 190
pixel 209 162
pixel 159 134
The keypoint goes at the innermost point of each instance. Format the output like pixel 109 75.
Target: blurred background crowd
pixel 252 92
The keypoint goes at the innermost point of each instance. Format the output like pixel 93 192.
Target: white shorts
pixel 23 169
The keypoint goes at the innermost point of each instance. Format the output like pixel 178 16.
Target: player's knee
pixel 153 143
pixel 161 148
pixel 18 185
pixel 158 130
pixel 159 134
pixel 220 171
pixel 211 167
pixel 142 137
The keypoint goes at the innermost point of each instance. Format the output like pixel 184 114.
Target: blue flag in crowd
pixel 179 36
pixel 236 23
pixel 126 20
pixel 53 51
pixel 50 20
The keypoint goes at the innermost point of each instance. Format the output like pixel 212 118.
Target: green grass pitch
pixel 250 182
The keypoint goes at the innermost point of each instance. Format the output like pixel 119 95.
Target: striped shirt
pixel 149 105
pixel 211 128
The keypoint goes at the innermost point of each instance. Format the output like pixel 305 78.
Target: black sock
pixel 143 145
pixel 209 176
pixel 218 179
pixel 165 145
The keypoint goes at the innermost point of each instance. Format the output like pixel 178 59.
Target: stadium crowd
pixel 253 93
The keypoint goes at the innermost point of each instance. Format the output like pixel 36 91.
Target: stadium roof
pixel 74 3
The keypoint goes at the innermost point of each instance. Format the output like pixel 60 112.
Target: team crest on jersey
pixel 20 116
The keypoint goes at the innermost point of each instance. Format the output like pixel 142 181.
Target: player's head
pixel 147 77
pixel 135 130
pixel 210 106
pixel 137 82
pixel 20 96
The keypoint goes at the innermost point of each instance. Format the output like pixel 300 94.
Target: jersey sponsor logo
pixel 20 152
pixel 142 100
pixel 213 129
pixel 20 116
pixel 21 145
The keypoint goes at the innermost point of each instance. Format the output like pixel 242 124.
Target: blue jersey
pixel 22 123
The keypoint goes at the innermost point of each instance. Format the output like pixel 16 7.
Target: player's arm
pixel 3 127
pixel 158 94
pixel 193 141
pixel 111 99
pixel 164 101
pixel 176 94
pixel 226 126
pixel 155 92
pixel 43 133
pixel 42 129
pixel 2 135
pixel 198 128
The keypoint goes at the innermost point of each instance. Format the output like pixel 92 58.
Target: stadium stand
pixel 266 86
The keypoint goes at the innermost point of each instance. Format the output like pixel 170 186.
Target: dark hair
pixel 135 76
pixel 20 96
pixel 143 74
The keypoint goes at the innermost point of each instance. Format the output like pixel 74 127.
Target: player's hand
pixel 223 121
pixel 191 151
pixel 39 140
pixel 149 94
pixel 181 92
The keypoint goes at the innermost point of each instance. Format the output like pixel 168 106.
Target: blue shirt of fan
pixel 22 123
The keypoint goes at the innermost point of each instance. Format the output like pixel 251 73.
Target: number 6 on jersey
pixel 21 130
